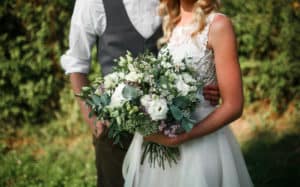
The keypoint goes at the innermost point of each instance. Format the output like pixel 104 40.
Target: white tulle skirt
pixel 214 160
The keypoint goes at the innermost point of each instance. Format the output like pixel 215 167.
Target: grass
pixel 271 146
pixel 274 163
pixel 34 156
pixel 61 153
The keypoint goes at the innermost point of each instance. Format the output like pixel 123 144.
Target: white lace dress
pixel 214 160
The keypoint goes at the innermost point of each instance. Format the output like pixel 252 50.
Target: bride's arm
pixel 223 42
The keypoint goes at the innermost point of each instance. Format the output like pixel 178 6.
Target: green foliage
pixel 276 81
pixel 32 36
pixel 267 33
pixel 40 156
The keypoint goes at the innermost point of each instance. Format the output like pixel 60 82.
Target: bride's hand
pixel 165 140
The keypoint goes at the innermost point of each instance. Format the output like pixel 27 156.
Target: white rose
pixel 111 80
pixel 182 87
pixel 188 78
pixel 146 100
pixel 133 76
pixel 117 98
pixel 158 109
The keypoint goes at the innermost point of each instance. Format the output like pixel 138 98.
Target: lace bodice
pixel 194 49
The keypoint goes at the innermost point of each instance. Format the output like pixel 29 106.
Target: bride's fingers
pixel 149 139
pixel 157 138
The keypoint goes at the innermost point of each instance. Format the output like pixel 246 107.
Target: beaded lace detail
pixel 194 50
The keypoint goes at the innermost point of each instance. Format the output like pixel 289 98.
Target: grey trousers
pixel 109 160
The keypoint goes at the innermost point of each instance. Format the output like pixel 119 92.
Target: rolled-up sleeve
pixel 82 38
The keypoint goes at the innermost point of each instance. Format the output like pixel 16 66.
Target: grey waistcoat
pixel 120 36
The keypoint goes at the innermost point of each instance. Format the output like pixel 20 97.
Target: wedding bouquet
pixel 148 95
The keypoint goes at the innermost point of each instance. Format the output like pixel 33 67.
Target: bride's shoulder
pixel 219 22
pixel 221 31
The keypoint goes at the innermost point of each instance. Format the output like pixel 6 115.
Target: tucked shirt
pixel 89 21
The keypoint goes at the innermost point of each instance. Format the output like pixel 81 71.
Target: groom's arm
pixel 76 61
pixel 78 80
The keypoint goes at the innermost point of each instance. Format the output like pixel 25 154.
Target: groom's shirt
pixel 89 22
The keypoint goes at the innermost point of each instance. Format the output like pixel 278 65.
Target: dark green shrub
pixel 269 47
pixel 32 36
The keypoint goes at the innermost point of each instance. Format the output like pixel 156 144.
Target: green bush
pixel 32 36
pixel 269 48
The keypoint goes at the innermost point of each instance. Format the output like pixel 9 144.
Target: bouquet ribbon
pixel 132 160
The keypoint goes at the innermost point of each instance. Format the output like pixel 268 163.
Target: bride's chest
pixel 194 51
pixel 183 45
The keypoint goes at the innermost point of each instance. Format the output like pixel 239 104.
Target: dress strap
pixel 209 20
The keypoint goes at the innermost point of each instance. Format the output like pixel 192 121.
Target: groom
pixel 116 26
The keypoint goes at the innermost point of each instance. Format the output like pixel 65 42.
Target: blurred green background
pixel 44 142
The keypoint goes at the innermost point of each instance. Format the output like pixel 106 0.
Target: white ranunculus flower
pixel 182 87
pixel 122 61
pixel 131 67
pixel 121 75
pixel 188 78
pixel 172 76
pixel 170 97
pixel 146 100
pixel 193 88
pixel 117 98
pixel 147 77
pixel 166 64
pixel 158 109
pixel 133 76
pixel 111 80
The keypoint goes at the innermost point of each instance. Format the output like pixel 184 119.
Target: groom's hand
pixel 98 129
pixel 212 94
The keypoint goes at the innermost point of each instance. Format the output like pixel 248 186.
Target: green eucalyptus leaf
pixel 96 99
pixel 105 99
pixel 163 81
pixel 89 102
pixel 91 114
pixel 181 101
pixel 187 124
pixel 176 112
pixel 130 92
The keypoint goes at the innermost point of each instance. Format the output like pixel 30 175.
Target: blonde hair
pixel 169 10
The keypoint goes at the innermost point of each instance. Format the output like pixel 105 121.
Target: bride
pixel 209 154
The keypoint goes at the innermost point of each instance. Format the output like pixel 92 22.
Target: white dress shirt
pixel 89 21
